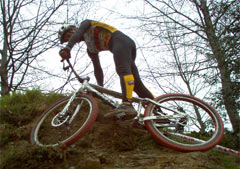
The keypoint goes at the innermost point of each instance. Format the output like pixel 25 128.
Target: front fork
pixel 64 115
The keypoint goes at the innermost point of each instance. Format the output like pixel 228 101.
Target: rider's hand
pixel 65 53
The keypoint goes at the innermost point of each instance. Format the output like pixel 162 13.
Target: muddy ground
pixel 117 145
pixel 107 145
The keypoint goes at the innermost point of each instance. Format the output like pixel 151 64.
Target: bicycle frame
pixel 87 87
pixel 168 117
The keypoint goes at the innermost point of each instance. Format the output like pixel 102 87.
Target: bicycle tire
pixel 45 135
pixel 165 135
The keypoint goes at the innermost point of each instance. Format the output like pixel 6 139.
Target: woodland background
pixel 187 46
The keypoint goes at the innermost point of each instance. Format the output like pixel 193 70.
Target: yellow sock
pixel 129 84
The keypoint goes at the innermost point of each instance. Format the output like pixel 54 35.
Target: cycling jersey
pixel 95 34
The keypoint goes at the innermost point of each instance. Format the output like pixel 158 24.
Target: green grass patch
pixel 20 108
pixel 225 160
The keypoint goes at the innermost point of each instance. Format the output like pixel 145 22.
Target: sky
pixel 117 13
pixel 109 12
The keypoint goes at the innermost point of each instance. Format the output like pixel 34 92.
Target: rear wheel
pixel 53 130
pixel 181 116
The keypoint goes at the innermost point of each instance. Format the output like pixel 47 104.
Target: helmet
pixel 63 30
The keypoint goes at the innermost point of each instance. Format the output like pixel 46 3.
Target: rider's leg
pixel 127 85
pixel 122 54
pixel 98 72
pixel 140 88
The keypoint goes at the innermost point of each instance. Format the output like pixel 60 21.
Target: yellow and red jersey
pixel 95 34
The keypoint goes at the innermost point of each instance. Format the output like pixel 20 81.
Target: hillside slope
pixel 107 145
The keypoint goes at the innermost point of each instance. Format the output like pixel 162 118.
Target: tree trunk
pixel 3 71
pixel 227 92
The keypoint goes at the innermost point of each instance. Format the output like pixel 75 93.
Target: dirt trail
pixel 110 145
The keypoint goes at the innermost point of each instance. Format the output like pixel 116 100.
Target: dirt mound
pixel 107 145
pixel 114 145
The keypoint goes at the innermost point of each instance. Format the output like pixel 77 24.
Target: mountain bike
pixel 171 119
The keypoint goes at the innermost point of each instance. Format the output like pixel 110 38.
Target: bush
pixel 7 133
pixel 20 108
pixel 230 140
pixel 10 133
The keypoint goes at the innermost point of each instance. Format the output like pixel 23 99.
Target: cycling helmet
pixel 63 30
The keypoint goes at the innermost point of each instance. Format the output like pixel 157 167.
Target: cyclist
pixel 99 37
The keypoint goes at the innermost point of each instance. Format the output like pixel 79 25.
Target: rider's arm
pixel 98 72
pixel 78 35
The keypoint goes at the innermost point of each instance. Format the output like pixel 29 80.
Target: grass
pixel 20 108
pixel 222 159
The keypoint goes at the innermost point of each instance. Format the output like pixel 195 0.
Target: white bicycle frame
pixel 87 87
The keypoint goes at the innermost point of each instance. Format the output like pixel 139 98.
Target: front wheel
pixel 53 130
pixel 179 119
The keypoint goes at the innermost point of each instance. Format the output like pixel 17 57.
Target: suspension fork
pixel 88 88
pixel 56 122
pixel 65 109
pixel 61 117
pixel 75 112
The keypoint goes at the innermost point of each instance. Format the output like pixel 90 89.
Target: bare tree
pixel 180 73
pixel 203 25
pixel 26 33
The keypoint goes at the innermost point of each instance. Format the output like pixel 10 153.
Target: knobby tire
pixel 42 133
pixel 161 134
